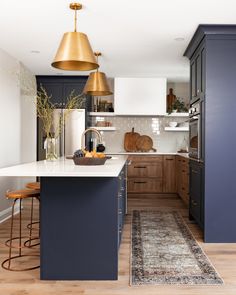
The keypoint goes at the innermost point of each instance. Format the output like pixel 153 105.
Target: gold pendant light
pixel 75 52
pixel 97 84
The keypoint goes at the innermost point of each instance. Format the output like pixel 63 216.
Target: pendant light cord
pixel 75 20
pixel 97 62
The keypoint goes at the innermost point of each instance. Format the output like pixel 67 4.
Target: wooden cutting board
pixel 144 144
pixel 130 141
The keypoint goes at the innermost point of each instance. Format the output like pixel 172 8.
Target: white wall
pixel 17 122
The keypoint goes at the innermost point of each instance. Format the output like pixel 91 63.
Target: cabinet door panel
pixel 178 175
pixel 169 183
pixel 198 75
pixel 144 185
pixel 193 80
pixel 203 71
pixel 196 191
pixel 145 169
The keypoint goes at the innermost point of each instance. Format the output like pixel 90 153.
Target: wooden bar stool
pixel 30 226
pixel 18 195
pixel 33 185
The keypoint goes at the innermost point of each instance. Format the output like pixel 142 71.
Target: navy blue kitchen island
pixel 82 214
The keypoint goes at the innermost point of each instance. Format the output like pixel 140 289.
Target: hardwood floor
pixel 223 257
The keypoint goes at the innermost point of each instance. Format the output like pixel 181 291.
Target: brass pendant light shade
pixel 75 52
pixel 97 84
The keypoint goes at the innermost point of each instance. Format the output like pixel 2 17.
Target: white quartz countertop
pixel 185 155
pixel 64 167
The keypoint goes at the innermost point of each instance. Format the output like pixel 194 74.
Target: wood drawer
pixel 152 159
pixel 144 185
pixel 145 169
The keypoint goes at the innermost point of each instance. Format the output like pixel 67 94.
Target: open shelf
pixel 104 128
pixel 177 115
pixel 186 128
pixel 102 114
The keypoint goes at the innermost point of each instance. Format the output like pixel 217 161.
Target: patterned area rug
pixel 165 252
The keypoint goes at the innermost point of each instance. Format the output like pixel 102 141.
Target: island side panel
pixel 79 228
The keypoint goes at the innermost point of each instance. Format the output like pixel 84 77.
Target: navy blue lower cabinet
pixel 196 192
pixel 122 200
pixel 213 83
pixel 80 228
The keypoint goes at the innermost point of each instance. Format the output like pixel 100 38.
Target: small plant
pixel 178 106
pixel 45 111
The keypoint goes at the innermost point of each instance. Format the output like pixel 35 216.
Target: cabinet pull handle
pixel 183 171
pixel 183 188
pixel 140 182
pixel 194 203
pixel 169 159
pixel 140 167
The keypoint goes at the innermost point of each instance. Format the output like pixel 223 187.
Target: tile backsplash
pixel 163 141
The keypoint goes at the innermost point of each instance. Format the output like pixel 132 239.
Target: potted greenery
pixel 178 106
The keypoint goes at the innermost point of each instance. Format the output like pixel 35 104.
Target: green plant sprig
pixel 45 109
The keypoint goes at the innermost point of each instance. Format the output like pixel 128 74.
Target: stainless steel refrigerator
pixel 69 139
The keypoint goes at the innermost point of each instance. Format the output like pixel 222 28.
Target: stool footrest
pixel 7 243
pixel 28 244
pixel 18 269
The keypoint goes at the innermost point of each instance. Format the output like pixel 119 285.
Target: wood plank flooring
pixel 223 257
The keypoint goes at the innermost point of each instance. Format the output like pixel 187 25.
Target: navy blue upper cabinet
pixel 213 50
pixel 60 87
pixel 197 74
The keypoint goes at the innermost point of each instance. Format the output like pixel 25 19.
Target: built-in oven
pixel 195 131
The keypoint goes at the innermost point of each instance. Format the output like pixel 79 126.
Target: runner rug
pixel 164 251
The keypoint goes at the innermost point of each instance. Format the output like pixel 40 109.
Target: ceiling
pixel 136 38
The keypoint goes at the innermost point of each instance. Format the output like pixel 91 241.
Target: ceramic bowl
pixel 173 124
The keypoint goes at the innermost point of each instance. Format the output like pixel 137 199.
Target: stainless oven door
pixel 195 137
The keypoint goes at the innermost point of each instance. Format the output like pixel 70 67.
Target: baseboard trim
pixel 6 214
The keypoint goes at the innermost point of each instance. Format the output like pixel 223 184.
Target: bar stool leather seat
pixel 33 185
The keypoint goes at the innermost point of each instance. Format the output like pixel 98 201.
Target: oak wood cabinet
pixel 159 174
pixel 182 178
pixel 169 180
pixel 145 174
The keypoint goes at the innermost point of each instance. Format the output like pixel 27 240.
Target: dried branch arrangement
pixel 45 109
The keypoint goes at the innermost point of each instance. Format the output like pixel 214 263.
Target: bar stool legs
pixel 31 226
pixel 6 264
